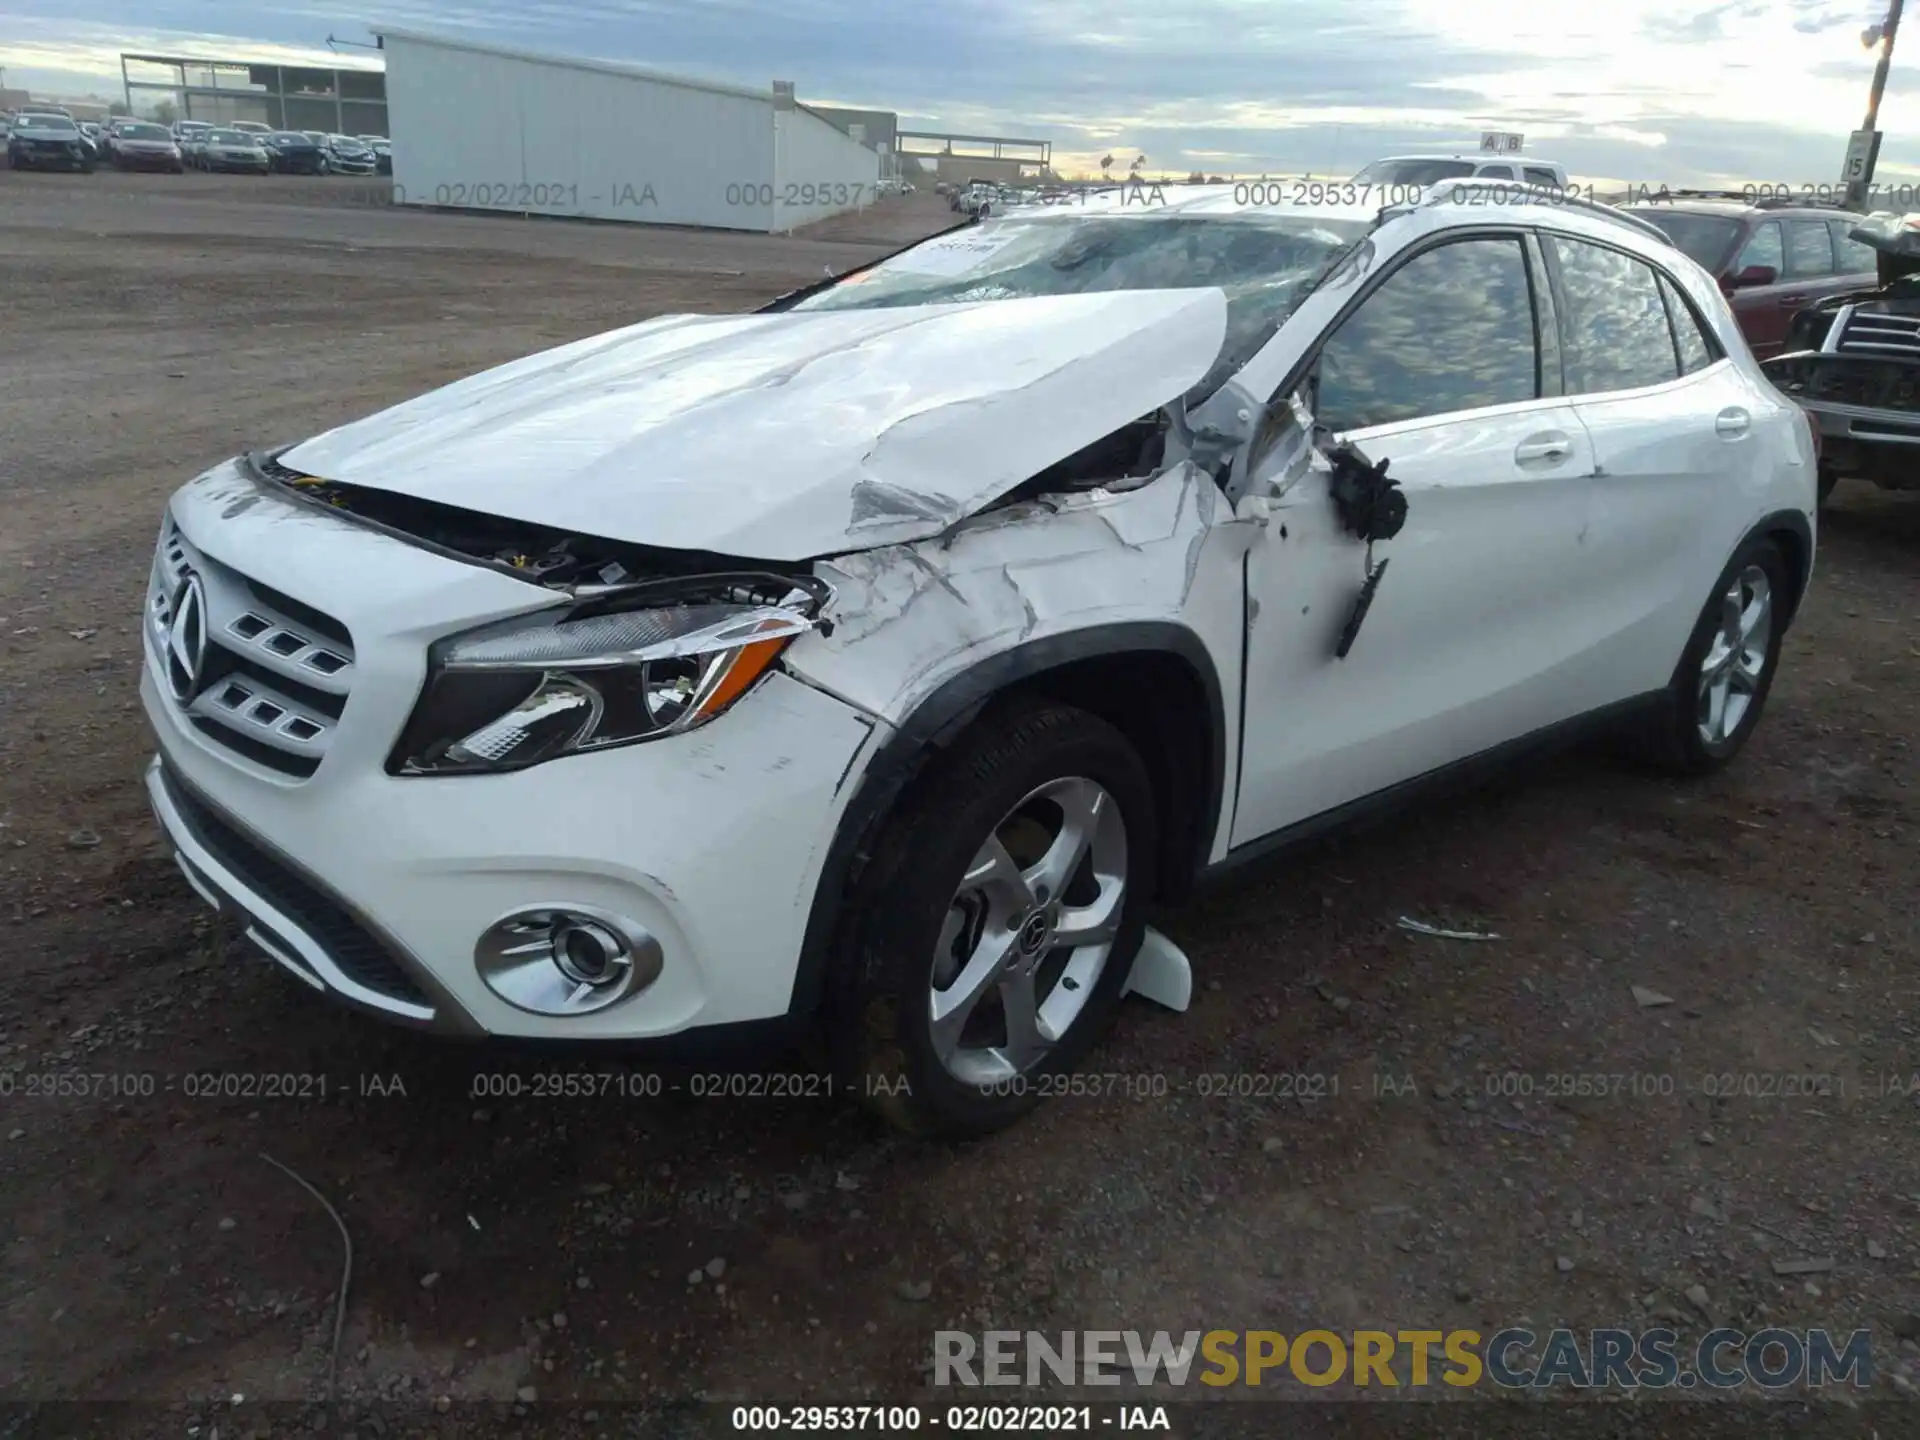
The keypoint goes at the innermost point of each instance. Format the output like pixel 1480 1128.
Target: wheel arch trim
pixel 1796 524
pixel 938 719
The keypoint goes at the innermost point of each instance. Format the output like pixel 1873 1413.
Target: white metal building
pixel 488 128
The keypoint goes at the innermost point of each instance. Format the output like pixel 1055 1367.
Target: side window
pixel 1851 256
pixel 1495 172
pixel 1616 322
pixel 1763 248
pixel 1452 329
pixel 1809 249
pixel 1534 175
pixel 1696 350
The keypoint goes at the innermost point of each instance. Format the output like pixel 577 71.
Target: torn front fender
pixel 907 619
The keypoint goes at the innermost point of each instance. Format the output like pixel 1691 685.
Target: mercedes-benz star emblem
pixel 187 639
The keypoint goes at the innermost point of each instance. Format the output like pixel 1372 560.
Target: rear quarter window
pixel 1852 256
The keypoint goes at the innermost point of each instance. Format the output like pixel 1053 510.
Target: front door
pixel 1439 371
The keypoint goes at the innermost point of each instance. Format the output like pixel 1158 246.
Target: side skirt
pixel 1455 776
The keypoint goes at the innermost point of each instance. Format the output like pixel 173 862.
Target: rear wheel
pixel 994 929
pixel 1726 672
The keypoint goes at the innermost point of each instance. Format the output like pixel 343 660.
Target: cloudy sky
pixel 1642 91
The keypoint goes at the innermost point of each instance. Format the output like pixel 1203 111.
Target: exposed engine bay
pixel 584 567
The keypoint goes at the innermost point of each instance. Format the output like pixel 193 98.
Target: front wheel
pixel 993 931
pixel 1726 672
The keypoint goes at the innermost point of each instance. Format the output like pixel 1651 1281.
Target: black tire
pixel 877 1019
pixel 1827 481
pixel 1669 739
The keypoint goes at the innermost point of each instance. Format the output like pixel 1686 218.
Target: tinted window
pixel 1616 322
pixel 1765 248
pixel 1696 350
pixel 1414 172
pixel 1534 175
pixel 1496 172
pixel 1809 249
pixel 1705 239
pixel 1851 256
pixel 1452 329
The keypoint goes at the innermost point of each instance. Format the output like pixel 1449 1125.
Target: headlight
pixel 591 677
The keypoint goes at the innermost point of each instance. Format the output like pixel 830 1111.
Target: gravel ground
pixel 1426 1172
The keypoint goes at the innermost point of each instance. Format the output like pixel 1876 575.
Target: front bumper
pixel 377 888
pixel 48 160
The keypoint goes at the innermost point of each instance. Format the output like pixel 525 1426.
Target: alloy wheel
pixel 1735 661
pixel 1028 933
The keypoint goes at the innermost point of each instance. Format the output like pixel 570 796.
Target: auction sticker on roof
pixel 951 254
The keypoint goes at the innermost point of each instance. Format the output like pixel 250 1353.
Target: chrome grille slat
pixel 273 684
pixel 1867 333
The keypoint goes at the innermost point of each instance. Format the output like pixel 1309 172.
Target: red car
pixel 138 145
pixel 1771 257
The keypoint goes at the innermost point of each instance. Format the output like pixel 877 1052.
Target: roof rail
pixel 1750 197
pixel 1450 192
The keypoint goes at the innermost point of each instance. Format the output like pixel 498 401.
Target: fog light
pixel 566 960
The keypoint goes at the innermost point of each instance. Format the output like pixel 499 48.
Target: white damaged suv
pixel 869 665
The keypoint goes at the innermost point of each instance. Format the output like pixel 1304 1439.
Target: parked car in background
pixel 348 156
pixel 252 127
pixel 234 152
pixel 294 152
pixel 1770 258
pixel 109 134
pixel 47 142
pixel 937 677
pixel 95 136
pixel 382 149
pixel 1424 170
pixel 185 132
pixel 1852 361
pixel 140 145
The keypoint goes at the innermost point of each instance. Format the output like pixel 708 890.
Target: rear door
pixel 1812 268
pixel 1440 369
pixel 1672 428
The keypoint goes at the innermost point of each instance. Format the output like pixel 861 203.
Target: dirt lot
pixel 150 326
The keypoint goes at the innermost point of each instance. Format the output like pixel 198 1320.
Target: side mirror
pixel 1751 276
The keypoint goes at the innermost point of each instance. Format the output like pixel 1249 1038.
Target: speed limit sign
pixel 1863 148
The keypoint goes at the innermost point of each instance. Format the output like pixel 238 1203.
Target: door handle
pixel 1732 423
pixel 1552 447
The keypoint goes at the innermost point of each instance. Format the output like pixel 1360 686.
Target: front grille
pixel 275 674
pixel 348 943
pixel 1872 333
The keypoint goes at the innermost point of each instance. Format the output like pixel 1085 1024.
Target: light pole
pixel 1858 186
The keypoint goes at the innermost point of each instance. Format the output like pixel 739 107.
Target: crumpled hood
pixel 785 436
